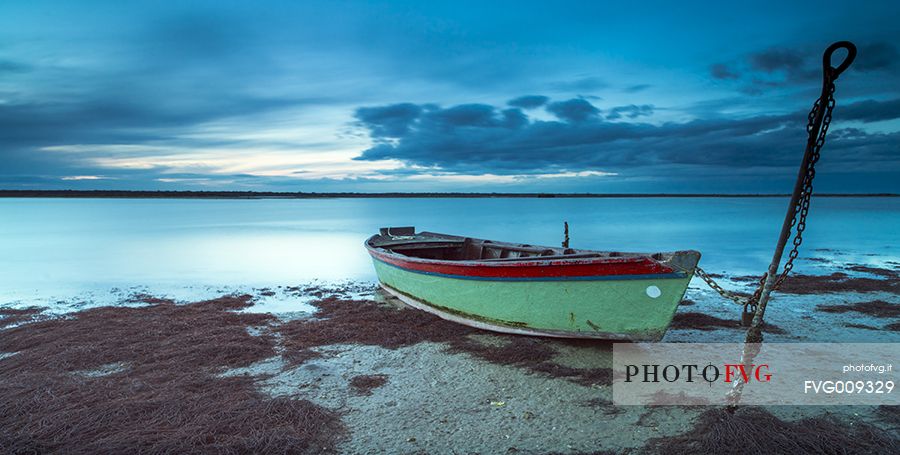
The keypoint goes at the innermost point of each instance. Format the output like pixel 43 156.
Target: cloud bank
pixel 480 138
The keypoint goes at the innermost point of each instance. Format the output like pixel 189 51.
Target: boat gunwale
pixel 393 258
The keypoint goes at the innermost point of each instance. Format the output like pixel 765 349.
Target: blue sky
pixel 442 96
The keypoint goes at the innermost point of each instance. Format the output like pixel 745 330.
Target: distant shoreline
pixel 107 194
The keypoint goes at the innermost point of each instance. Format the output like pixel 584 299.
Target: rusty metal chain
pixel 738 299
pixel 801 210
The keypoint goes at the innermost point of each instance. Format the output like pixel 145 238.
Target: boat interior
pixel 429 245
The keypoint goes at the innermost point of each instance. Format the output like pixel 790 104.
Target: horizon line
pixel 239 194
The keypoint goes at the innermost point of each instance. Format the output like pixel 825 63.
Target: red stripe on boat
pixel 528 269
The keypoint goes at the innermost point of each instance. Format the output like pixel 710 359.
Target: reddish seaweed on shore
pixel 860 326
pixel 818 259
pixel 755 430
pixel 835 283
pixel 535 354
pixel 365 322
pixel 889 414
pixel 116 380
pixel 743 278
pixel 10 316
pixel 148 299
pixel 365 383
pixel 880 271
pixel 875 308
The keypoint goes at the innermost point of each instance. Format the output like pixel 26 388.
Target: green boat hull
pixel 630 308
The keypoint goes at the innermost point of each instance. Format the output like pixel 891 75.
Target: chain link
pixel 801 210
pixel 736 298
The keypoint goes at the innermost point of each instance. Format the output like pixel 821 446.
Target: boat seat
pixel 476 250
pixel 512 252
pixel 471 250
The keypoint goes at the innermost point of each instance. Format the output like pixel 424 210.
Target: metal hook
pixel 826 58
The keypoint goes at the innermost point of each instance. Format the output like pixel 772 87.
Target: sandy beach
pixel 361 373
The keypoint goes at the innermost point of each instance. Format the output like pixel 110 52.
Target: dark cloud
pixel 722 71
pixel 870 111
pixel 631 111
pixel 773 68
pixel 27 128
pixel 772 60
pixel 782 67
pixel 514 118
pixel 529 101
pixel 478 139
pixel 573 110
pixel 637 88
pixel 466 115
pixel 876 56
pixel 800 65
pixel 389 121
pixel 166 78
pixel 120 120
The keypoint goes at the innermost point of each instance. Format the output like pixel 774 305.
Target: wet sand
pixel 363 374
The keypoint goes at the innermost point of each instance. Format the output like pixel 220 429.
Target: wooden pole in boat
pixel 803 185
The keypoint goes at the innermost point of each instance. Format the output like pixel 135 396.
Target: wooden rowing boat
pixel 533 290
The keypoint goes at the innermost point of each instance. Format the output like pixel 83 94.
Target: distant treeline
pixel 305 195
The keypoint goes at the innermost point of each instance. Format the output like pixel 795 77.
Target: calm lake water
pixel 58 248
